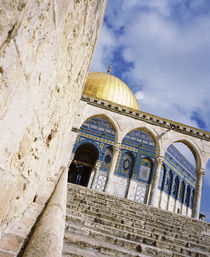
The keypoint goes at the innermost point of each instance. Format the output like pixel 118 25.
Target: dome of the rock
pixel 110 88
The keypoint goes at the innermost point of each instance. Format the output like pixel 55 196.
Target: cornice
pixel 148 118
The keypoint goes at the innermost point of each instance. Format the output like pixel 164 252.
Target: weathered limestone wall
pixel 45 51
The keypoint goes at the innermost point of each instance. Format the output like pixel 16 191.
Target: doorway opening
pixel 80 169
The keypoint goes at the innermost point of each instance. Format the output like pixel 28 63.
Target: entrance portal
pixel 80 169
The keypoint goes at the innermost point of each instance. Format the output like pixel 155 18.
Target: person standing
pixel 72 171
pixel 79 170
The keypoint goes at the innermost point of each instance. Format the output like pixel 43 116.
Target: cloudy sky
pixel 161 49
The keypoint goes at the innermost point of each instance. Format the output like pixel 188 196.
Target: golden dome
pixel 109 88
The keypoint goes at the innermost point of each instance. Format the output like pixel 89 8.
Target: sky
pixel 161 49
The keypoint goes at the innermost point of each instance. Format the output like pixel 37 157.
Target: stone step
pixel 176 217
pixel 86 191
pixel 139 224
pixel 132 244
pixel 72 250
pixel 137 236
pixel 114 233
pixel 113 246
pixel 187 231
pixel 136 215
pixel 194 230
pixel 120 218
pixel 74 228
pixel 102 225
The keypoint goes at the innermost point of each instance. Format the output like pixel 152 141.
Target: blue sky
pixel 161 49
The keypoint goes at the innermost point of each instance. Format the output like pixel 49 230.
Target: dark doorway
pixel 86 155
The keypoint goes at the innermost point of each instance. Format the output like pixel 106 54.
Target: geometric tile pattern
pixel 100 182
pixel 120 188
pixel 140 193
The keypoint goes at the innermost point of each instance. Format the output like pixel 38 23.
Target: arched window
pixel 169 181
pixel 176 187
pixel 192 198
pixel 145 169
pixel 162 177
pixel 182 192
pixel 187 200
pixel 107 158
pixel 127 164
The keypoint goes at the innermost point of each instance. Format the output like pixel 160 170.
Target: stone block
pixel 116 226
pixel 11 242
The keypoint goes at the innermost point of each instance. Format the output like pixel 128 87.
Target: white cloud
pixel 104 50
pixel 170 55
pixel 172 59
pixel 139 95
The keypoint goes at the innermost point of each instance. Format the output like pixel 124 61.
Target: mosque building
pixel 127 156
pixel 129 153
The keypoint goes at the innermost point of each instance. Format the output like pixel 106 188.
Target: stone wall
pixel 45 52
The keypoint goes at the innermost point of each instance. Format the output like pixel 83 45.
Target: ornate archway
pixel 86 156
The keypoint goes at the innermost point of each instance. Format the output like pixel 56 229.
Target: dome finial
pixel 109 70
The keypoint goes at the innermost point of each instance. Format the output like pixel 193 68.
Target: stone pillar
pixel 116 149
pixel 47 238
pixel 198 191
pixel 189 212
pixel 148 193
pixel 96 168
pixel 154 189
pixel 71 158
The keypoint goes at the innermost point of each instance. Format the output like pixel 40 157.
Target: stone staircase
pixel 102 225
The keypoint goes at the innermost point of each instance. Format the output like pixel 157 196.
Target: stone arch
pixel 191 145
pixel 86 155
pixel 87 148
pixel 77 145
pixel 109 119
pixel 149 131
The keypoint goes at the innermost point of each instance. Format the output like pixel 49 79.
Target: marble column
pixel 47 238
pixel 198 192
pixel 116 149
pixel 96 168
pixel 154 189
